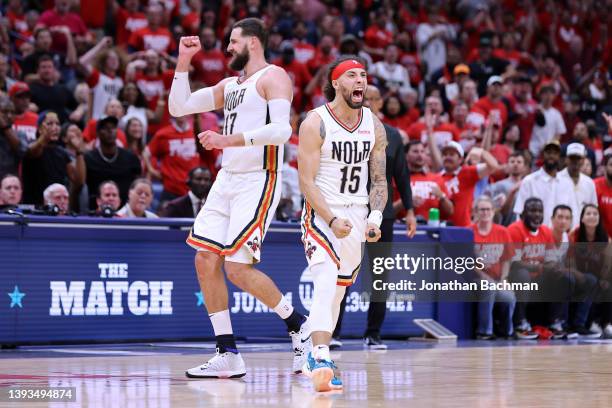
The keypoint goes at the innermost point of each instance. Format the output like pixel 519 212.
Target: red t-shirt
pixel 304 51
pixel 514 57
pixel 299 76
pixel 320 60
pixel 443 133
pixel 160 40
pixel 154 86
pixel 532 248
pixel 604 202
pixel 72 20
pixel 422 185
pixel 127 23
pixel 93 13
pixel 413 66
pixel 481 110
pixel 400 122
pixel 177 154
pixel 27 123
pixel 460 187
pixel 209 67
pixel 495 248
pixel 90 133
pixel 191 23
pixel 376 37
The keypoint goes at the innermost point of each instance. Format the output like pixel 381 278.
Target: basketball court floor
pixel 409 374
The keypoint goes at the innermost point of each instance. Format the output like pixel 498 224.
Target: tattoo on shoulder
pixel 322 129
pixel 380 133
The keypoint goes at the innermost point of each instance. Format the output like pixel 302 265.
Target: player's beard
pixel 240 60
pixel 346 94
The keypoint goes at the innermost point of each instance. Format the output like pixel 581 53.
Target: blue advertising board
pixel 95 280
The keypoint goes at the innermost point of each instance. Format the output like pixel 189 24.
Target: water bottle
pixel 434 217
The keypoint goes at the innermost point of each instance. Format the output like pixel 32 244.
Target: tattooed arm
pixel 378 177
pixel 311 135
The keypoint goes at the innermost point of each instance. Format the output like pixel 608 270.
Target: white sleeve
pixel 521 197
pixel 278 131
pixel 561 129
pixel 182 102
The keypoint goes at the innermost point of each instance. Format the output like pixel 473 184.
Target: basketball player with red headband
pixel 342 147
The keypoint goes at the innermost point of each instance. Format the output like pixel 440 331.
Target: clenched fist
pixel 189 46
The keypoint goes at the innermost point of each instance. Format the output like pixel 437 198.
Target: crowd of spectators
pixel 502 99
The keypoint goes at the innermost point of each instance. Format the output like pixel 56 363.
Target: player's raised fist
pixel 341 227
pixel 189 46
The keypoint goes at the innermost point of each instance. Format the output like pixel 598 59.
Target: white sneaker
pixel 221 365
pixel 335 343
pixel 302 345
pixel 607 331
pixel 595 327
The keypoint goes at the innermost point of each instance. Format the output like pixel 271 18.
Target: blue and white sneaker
pixel 323 374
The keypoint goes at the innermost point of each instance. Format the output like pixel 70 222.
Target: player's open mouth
pixel 357 94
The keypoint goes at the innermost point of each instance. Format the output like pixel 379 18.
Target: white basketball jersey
pixel 343 171
pixel 245 109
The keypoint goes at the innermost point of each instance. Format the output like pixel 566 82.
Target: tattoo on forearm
pixel 378 163
pixel 322 129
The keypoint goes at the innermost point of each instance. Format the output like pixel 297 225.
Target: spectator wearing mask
pixel 592 256
pixel 189 205
pixel 56 199
pixel 460 180
pixel 546 184
pixel 107 161
pixel 503 192
pixel 603 188
pixel 48 93
pixel 10 192
pixel 549 124
pixel 139 199
pixel 492 242
pixel 108 200
pixel 25 120
pixel 12 143
pixel 583 191
pixel 428 189
pixel 46 161
pixel 172 150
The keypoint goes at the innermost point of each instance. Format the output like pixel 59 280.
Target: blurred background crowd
pixel 471 85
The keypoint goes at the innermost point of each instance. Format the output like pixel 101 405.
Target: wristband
pixel 331 221
pixel 375 218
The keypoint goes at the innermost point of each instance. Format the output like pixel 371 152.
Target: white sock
pixel 321 352
pixel 221 322
pixel 284 308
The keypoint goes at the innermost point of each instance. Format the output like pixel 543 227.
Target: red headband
pixel 345 66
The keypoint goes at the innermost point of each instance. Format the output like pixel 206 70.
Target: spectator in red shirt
pixel 469 135
pixel 603 187
pixel 535 249
pixel 460 180
pixel 174 148
pixel 60 16
pixel 210 64
pixel 190 22
pixel 524 108
pixel 491 104
pixel 304 51
pixel 468 92
pixel 113 108
pixel 378 37
pixel 154 36
pixel 129 19
pixel 324 54
pixel 428 189
pixel 509 52
pixel 492 243
pixel 443 132
pixel 25 120
pixel 297 72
